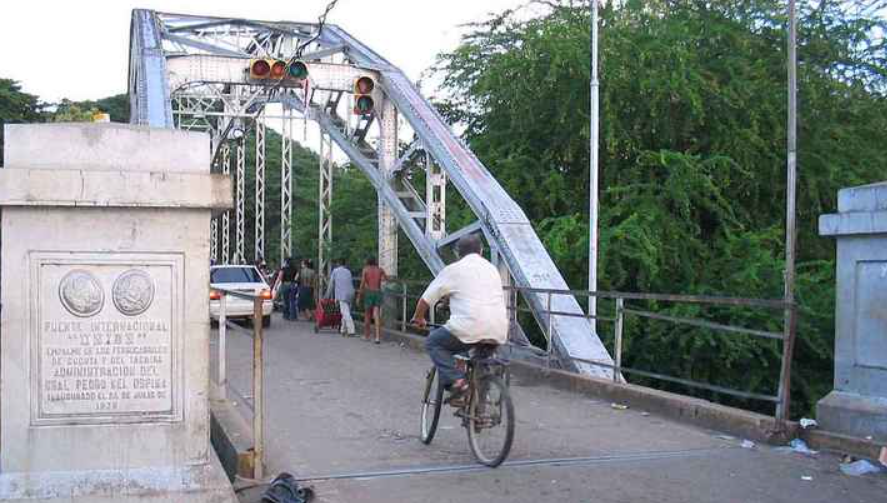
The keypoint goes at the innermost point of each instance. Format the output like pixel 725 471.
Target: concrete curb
pixel 231 437
pixel 693 411
pixel 842 444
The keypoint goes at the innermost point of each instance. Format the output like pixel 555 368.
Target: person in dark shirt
pixel 289 289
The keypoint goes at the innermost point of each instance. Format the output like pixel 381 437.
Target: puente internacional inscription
pixel 98 361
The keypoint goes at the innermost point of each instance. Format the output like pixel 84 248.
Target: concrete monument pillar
pixel 104 335
pixel 858 404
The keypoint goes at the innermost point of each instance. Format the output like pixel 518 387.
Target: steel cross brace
pixel 426 247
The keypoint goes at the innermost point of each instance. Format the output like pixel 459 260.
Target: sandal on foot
pixel 458 394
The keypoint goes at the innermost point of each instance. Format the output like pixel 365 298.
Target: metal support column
pixel 214 240
pixel 226 215
pixel 239 198
pixel 435 199
pixel 260 190
pixel 387 159
pixel 286 186
pixel 325 201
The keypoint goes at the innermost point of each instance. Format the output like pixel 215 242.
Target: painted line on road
pixel 554 462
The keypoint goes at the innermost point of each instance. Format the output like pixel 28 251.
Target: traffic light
pixel 298 70
pixel 276 69
pixel 259 69
pixel 363 99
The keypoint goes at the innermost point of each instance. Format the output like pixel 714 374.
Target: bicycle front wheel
pixel 490 421
pixel 432 401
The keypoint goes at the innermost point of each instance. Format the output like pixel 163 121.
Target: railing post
pixel 258 391
pixel 620 318
pixel 783 407
pixel 403 318
pixel 223 343
pixel 548 329
pixel 514 306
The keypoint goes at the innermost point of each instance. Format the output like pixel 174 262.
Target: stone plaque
pixel 871 314
pixel 106 338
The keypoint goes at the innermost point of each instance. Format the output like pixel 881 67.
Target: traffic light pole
pixel 782 411
pixel 593 205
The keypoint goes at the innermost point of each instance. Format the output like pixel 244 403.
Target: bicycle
pixel 487 413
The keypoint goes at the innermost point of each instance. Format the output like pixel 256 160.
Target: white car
pixel 239 278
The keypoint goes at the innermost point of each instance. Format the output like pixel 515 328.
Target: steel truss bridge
pixel 192 72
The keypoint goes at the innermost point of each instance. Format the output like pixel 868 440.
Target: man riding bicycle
pixel 477 312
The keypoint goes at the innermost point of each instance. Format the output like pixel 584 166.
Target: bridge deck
pixel 345 412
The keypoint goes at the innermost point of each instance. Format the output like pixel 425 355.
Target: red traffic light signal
pixel 259 69
pixel 364 104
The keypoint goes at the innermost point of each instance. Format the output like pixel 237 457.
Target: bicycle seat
pixel 484 348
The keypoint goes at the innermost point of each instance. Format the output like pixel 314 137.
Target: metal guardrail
pixel 258 379
pixel 787 336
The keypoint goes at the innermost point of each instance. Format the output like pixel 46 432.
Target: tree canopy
pixel 16 106
pixel 692 175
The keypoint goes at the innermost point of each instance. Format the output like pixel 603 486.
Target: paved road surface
pixel 344 413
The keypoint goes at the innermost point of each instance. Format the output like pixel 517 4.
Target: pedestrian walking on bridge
pixel 341 288
pixel 370 290
pixel 307 283
pixel 289 289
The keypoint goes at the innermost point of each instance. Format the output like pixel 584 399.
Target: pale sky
pixel 78 49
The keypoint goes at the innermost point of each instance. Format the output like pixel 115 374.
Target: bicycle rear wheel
pixel 490 421
pixel 432 402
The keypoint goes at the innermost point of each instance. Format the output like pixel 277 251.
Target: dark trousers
pixel 442 346
pixel 289 291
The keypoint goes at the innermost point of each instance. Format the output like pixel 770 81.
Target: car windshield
pixel 235 275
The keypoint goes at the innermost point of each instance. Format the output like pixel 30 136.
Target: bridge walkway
pixel 344 413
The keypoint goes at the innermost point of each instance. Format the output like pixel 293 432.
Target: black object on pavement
pixel 285 489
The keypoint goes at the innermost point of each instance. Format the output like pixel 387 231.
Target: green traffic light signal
pixel 298 70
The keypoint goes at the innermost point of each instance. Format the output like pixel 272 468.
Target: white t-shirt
pixel 477 302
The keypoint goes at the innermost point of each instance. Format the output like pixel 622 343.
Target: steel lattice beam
pixel 325 201
pixel 226 215
pixel 387 154
pixel 286 186
pixel 239 203
pixel 436 200
pixel 260 191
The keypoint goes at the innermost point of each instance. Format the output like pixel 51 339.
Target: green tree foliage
pixel 116 106
pixel 16 106
pixel 68 111
pixel 692 159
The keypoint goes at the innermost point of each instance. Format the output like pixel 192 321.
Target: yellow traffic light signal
pixel 278 69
